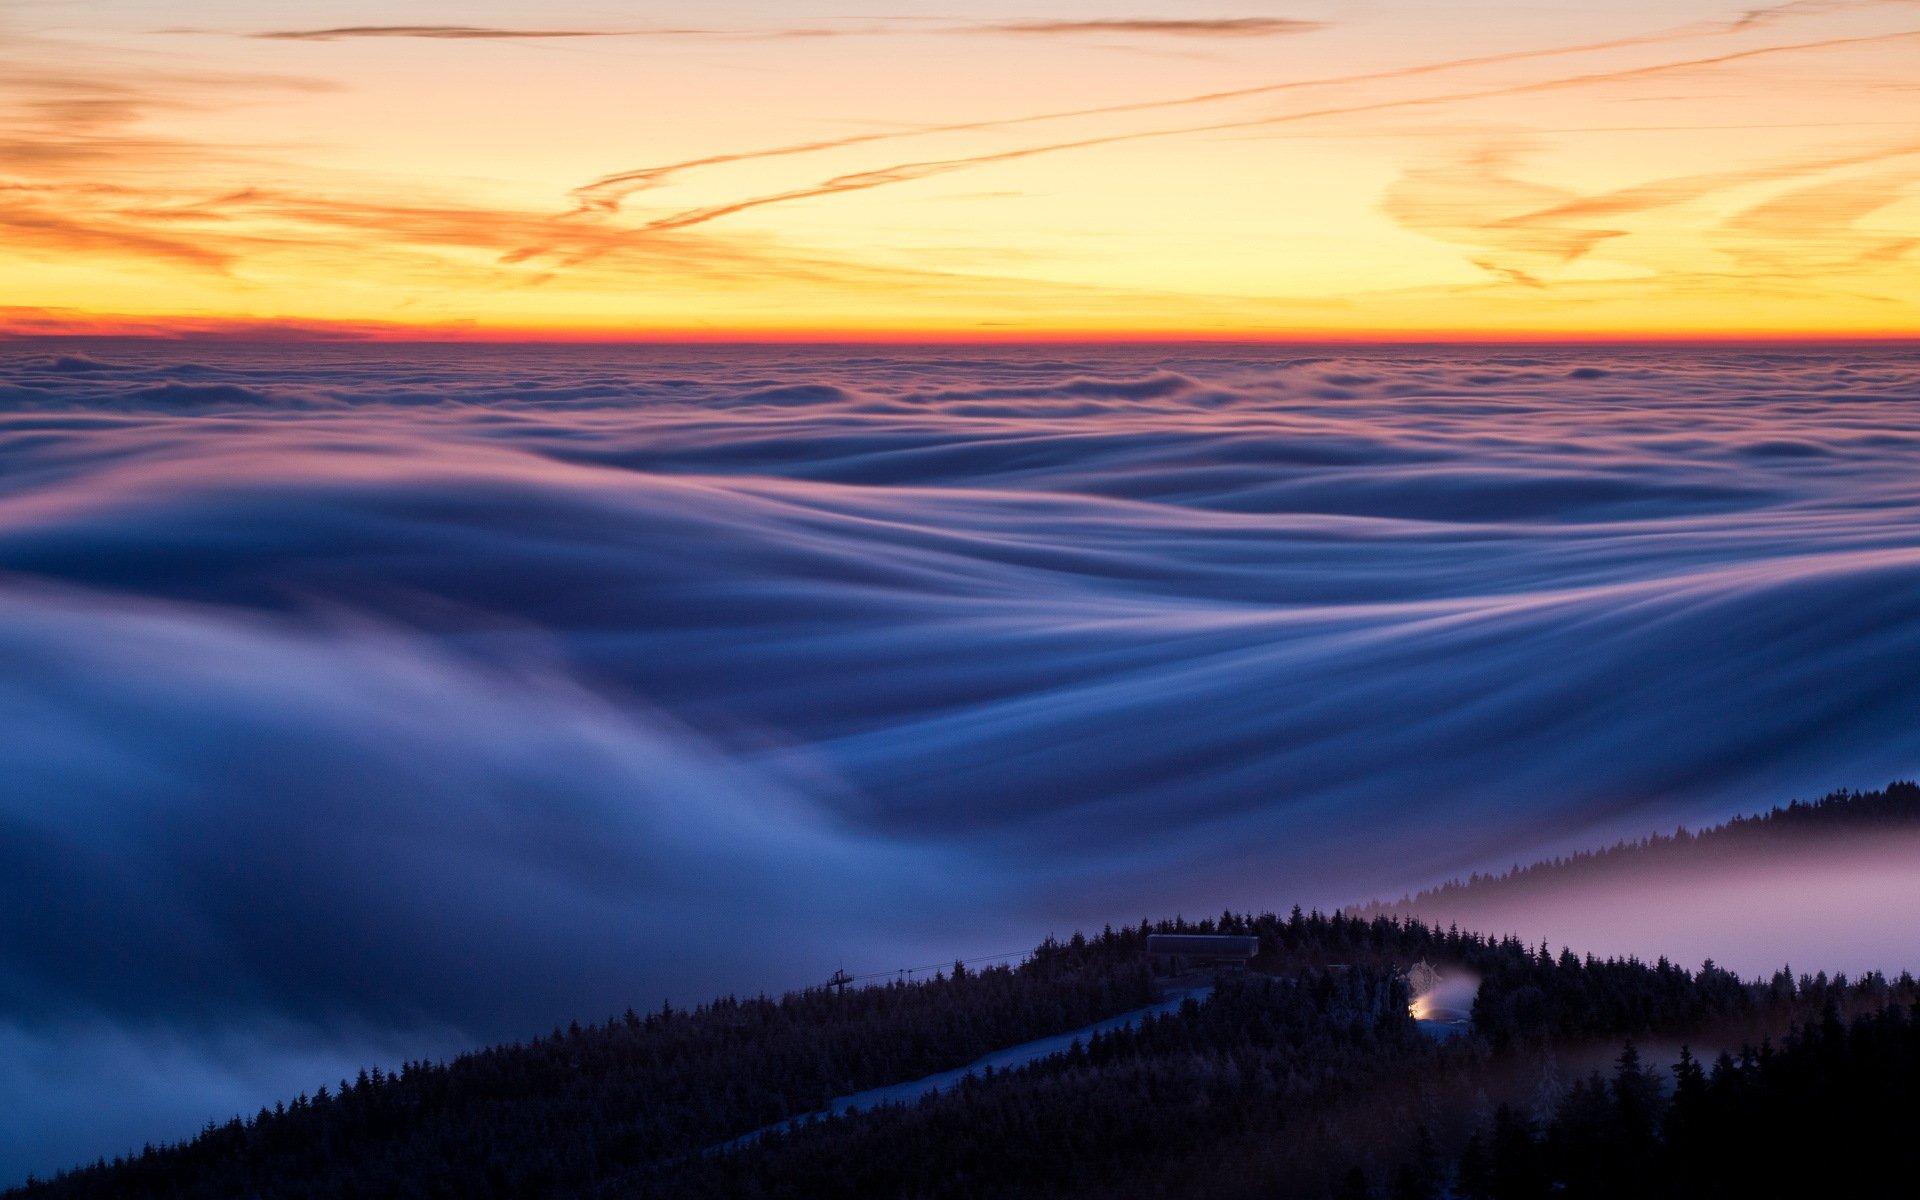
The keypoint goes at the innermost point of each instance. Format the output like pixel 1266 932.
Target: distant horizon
pixel 748 339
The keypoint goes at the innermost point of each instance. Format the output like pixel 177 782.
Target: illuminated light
pixel 1445 998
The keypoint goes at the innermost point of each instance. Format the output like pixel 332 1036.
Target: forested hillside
pixel 555 1115
pixel 1829 1112
pixel 1798 828
pixel 1280 1086
pixel 1305 1076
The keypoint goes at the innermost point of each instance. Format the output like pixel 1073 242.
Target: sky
pixel 740 168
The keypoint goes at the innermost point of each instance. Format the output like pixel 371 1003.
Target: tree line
pixel 1794 827
pixel 1830 1111
pixel 1308 1077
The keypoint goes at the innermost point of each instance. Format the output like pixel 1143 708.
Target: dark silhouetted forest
pixel 1306 1076
pixel 1831 1111
pixel 1282 1085
pixel 1788 829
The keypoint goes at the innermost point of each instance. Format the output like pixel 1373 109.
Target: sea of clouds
pixel 361 703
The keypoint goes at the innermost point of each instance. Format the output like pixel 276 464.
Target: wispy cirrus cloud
pixel 46 222
pixel 90 174
pixel 1219 27
pixel 1818 226
pixel 1186 27
pixel 493 33
pixel 605 194
pixel 1179 27
pixel 453 33
pixel 600 195
pixel 95 177
pixel 1520 230
pixel 83 170
pixel 1770 14
pixel 1231 27
pixel 90 171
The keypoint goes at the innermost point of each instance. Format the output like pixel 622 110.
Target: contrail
pixel 907 172
pixel 605 194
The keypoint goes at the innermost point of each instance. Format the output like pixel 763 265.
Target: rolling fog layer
pixel 1832 903
pixel 364 703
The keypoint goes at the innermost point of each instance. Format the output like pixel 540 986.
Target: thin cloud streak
pixel 605 194
pixel 910 172
pixel 1225 27
pixel 103 169
pixel 1819 225
pixel 36 229
pixel 482 33
pixel 85 180
pixel 1479 202
pixel 1218 27
pixel 446 32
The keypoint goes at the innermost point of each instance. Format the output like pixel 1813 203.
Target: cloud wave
pixel 373 695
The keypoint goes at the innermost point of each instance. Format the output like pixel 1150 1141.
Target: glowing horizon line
pixel 349 334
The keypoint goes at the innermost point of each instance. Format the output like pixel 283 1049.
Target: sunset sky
pixel 963 168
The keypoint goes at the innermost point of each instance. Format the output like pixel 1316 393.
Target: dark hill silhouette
pixel 1307 1076
pixel 1807 883
pixel 1786 829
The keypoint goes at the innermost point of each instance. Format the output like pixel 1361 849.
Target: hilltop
pixel 1305 1075
pixel 1755 889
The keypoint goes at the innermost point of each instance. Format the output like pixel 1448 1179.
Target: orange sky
pixel 741 168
